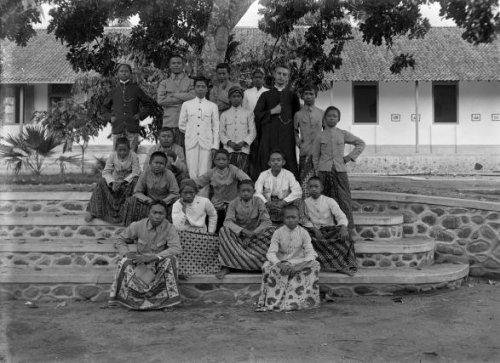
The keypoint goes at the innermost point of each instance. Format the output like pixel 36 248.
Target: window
pixel 9 104
pixel 445 102
pixel 365 103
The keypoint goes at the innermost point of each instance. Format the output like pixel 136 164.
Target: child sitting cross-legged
pixel 327 225
pixel 290 276
pixel 247 231
pixel 277 187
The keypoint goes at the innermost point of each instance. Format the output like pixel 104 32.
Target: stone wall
pixel 461 234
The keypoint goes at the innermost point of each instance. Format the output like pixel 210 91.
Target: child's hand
pixel 347 159
pixel 344 234
pixel 286 267
pixel 317 233
pixel 276 110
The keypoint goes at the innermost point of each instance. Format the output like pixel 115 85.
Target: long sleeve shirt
pixel 180 161
pixel 251 96
pixel 251 215
pixel 156 187
pixel 199 120
pixel 183 88
pixel 308 122
pixel 237 125
pixel 219 95
pixel 328 149
pixel 193 218
pixel 162 241
pixel 323 211
pixel 292 245
pixel 118 170
pixel 284 186
pixel 224 183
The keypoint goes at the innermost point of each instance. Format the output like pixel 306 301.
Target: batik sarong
pixel 106 204
pixel 135 209
pixel 289 292
pixel 146 286
pixel 306 169
pixel 244 254
pixel 200 252
pixel 333 253
pixel 336 186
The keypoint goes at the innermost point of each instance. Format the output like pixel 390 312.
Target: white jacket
pixel 199 120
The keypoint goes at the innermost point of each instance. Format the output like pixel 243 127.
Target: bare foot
pixel 88 217
pixel 223 272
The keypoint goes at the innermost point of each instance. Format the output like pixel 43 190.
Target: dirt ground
pixel 443 326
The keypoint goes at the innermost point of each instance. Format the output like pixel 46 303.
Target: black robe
pixel 276 131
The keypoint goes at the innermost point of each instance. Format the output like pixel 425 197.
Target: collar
pixel 200 99
pixel 279 88
pixel 177 76
pixel 237 107
pixel 150 227
pixel 289 229
pixel 309 107
pixel 271 173
pixel 125 82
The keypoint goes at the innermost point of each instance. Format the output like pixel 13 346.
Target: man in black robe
pixel 274 122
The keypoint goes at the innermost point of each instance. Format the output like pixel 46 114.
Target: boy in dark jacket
pixel 127 104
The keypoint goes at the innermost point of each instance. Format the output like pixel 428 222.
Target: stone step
pixel 412 252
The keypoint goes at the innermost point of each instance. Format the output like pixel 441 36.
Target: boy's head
pixel 309 93
pixel 188 190
pixel 235 95
pixel 315 187
pixel 258 78
pixel 158 162
pixel 157 212
pixel 290 216
pixel 276 160
pixel 222 71
pixel 331 117
pixel 281 75
pixel 200 86
pixel 124 72
pixel 246 189
pixel 166 137
pixel 176 63
pixel 221 159
pixel 122 147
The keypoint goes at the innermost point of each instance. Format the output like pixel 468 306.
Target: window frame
pixel 365 83
pixel 457 91
pixel 17 104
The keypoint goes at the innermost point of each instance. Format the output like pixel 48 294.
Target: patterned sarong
pixel 106 204
pixel 333 254
pixel 135 209
pixel 130 289
pixel 244 254
pixel 285 293
pixel 199 253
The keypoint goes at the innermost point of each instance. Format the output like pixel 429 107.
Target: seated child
pixel 330 163
pixel 156 183
pixel 223 180
pixel 117 183
pixel 246 234
pixel 290 276
pixel 174 152
pixel 190 211
pixel 327 225
pixel 277 187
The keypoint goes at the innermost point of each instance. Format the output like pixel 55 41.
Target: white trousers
pixel 198 161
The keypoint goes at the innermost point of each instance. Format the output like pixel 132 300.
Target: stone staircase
pixel 47 252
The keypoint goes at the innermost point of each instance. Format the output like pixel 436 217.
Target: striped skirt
pixel 244 254
pixel 333 253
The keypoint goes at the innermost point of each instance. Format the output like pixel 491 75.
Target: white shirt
pixel 321 212
pixel 196 213
pixel 284 186
pixel 237 124
pixel 199 120
pixel 292 245
pixel 251 96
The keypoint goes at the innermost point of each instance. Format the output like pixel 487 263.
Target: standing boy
pixel 126 105
pixel 251 95
pixel 308 124
pixel 329 160
pixel 237 129
pixel 274 114
pixel 199 121
pixel 172 92
pixel 218 94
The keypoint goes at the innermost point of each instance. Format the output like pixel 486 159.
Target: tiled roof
pixel 442 55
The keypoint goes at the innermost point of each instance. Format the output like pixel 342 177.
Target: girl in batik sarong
pixel 290 276
pixel 246 235
pixel 223 181
pixel 155 183
pixel 327 225
pixel 147 279
pixel 117 183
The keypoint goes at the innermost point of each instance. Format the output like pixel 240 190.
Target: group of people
pixel 199 179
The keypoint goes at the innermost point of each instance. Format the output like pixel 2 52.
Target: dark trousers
pixel 336 186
